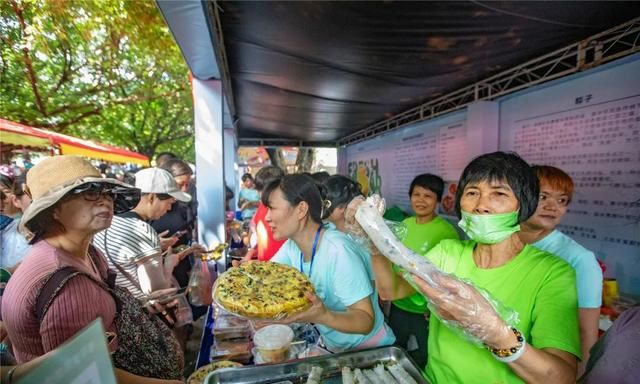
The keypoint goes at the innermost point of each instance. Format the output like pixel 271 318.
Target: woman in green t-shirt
pixel 496 192
pixel 407 316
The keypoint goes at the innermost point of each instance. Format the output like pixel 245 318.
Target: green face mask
pixel 489 229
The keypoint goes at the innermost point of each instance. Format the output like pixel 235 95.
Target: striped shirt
pixel 127 241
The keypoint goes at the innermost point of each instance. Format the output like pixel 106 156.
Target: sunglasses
pixel 124 199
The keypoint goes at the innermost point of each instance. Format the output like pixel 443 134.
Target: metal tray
pixel 296 371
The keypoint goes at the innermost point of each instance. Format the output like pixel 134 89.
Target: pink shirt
pixel 79 303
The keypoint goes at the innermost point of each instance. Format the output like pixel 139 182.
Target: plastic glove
pixel 459 304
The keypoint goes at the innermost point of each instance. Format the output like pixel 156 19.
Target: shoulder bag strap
pixel 126 274
pixel 51 288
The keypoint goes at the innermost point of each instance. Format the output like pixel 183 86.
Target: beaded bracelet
pixel 508 355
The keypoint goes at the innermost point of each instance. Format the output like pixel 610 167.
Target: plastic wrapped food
pixel 386 377
pixel 401 376
pixel 360 377
pixel 315 375
pixel 231 327
pixel 391 374
pixel 231 347
pixel 347 376
pixel 478 316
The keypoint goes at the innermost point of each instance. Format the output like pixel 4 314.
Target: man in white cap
pixel 132 247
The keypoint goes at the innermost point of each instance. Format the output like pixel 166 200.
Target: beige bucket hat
pixel 52 178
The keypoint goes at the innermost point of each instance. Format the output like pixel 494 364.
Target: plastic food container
pixel 273 342
pixel 231 327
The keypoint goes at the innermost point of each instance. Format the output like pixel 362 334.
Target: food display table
pixel 298 371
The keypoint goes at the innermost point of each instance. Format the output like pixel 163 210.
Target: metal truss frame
pixel 275 142
pixel 596 50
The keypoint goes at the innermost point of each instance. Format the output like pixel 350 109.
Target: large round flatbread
pixel 263 290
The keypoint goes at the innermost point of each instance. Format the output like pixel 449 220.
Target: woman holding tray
pixel 343 308
pixel 496 193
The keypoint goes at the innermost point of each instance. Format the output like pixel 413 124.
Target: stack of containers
pixel 231 338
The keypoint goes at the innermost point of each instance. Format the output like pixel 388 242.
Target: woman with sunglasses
pixel 63 284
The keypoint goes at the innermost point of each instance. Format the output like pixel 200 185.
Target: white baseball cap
pixel 157 180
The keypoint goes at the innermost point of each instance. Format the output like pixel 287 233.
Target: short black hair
pixel 7 181
pixel 320 177
pixel 508 166
pixel 297 188
pixel 340 191
pixel 428 181
pixel 266 175
pixel 246 176
pixel 177 167
pixel 20 183
pixel 162 157
pixel 228 193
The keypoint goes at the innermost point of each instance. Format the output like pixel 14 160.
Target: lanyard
pixel 313 252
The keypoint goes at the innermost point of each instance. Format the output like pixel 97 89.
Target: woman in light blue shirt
pixel 342 306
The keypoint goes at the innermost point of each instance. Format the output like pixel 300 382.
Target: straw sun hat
pixel 52 178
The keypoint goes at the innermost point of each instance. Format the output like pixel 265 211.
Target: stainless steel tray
pixel 297 371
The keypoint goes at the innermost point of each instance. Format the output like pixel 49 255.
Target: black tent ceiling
pixel 317 71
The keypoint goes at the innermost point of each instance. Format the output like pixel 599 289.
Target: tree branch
pixel 33 78
pixel 140 98
pixel 66 67
pixel 60 127
pixel 67 108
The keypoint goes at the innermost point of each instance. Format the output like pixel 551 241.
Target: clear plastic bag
pixel 200 283
pixel 478 315
pixel 356 233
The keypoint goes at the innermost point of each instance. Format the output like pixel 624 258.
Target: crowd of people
pixel 81 245
pixel 92 247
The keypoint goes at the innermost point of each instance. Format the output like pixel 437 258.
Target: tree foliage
pixel 100 69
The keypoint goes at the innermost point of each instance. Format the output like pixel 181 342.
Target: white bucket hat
pixel 54 177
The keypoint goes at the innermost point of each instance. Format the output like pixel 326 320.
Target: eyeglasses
pixel 94 191
pixel 124 199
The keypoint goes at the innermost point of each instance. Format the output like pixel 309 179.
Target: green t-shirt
pixel 539 286
pixel 420 239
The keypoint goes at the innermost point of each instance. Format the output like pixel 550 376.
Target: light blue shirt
pixel 588 272
pixel 13 244
pixel 341 276
pixel 249 194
